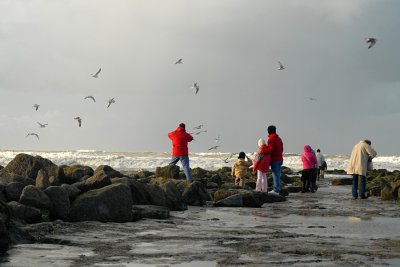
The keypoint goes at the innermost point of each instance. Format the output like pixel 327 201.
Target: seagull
pixel 36 106
pixel 371 41
pixel 79 121
pixel 217 139
pixel 35 134
pixel 312 98
pixel 179 61
pixel 198 127
pixel 281 67
pixel 214 147
pixel 196 87
pixel 96 75
pixel 110 102
pixel 91 97
pixel 225 160
pixel 199 132
pixel 42 125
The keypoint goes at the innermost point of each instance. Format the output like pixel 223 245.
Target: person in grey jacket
pixel 321 164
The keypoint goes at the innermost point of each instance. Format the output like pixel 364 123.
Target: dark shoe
pixel 364 197
pixel 355 197
pixel 312 191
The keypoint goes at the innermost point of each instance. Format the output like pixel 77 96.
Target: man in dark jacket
pixel 275 149
pixel 180 151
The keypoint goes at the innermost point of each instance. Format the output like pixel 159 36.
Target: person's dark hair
pixel 182 125
pixel 318 150
pixel 242 155
pixel 367 141
pixel 271 129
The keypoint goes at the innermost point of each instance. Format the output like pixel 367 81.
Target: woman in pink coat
pixel 309 175
pixel 261 165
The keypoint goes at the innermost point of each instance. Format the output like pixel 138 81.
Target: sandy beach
pixel 327 228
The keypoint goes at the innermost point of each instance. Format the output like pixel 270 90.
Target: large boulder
pixel 4 222
pixel 109 171
pixel 34 197
pixel 170 171
pixel 195 194
pixel 75 173
pixel 149 211
pixel 172 193
pixel 25 213
pixel 98 180
pixel 156 195
pixel 112 203
pixel 60 199
pixel 28 166
pixel 13 191
pixel 235 200
pixel 12 177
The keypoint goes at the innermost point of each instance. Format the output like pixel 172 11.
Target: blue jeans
pixel 185 164
pixel 276 174
pixel 363 183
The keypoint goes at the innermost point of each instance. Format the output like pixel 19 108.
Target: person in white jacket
pixel 321 164
pixel 358 166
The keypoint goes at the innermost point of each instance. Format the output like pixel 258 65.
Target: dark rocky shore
pixel 34 192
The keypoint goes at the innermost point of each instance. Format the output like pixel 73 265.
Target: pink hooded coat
pixel 308 158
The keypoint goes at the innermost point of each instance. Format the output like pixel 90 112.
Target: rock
pixel 98 180
pixel 2 197
pixel 109 171
pixel 112 203
pixel 13 191
pixel 211 185
pixel 169 171
pixel 28 166
pixel 25 213
pixel 386 192
pixel 156 195
pixel 294 189
pixel 216 178
pixel 342 181
pixel 145 174
pixel 75 173
pixel 73 191
pixel 172 192
pixel 42 180
pixel 34 197
pixel 149 211
pixel 12 177
pixel 198 172
pixel 60 199
pixel 195 194
pixel 235 200
pixel 223 193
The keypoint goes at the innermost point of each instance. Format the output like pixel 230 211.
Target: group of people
pixel 270 156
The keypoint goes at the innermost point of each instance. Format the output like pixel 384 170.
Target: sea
pixel 129 161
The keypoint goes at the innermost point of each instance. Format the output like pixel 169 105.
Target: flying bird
pixel 35 134
pixel 110 102
pixel 312 98
pixel 198 127
pixel 96 75
pixel 213 147
pixel 281 67
pixel 36 106
pixel 79 120
pixel 91 97
pixel 225 160
pixel 42 125
pixel 180 61
pixel 196 87
pixel 199 132
pixel 217 139
pixel 371 41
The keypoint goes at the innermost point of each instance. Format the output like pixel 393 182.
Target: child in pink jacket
pixel 261 165
pixel 309 174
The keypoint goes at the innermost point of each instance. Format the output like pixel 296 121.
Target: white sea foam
pixel 151 160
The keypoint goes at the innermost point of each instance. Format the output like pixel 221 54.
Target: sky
pixel 231 48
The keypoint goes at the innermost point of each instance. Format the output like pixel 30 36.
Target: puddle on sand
pixel 183 264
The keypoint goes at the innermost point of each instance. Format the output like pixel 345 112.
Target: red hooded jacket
pixel 263 164
pixel 274 147
pixel 180 139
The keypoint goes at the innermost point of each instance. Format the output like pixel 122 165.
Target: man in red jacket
pixel 275 149
pixel 180 151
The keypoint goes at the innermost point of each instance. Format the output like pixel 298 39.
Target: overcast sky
pixel 231 48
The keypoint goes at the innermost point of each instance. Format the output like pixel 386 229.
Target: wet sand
pixel 327 228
